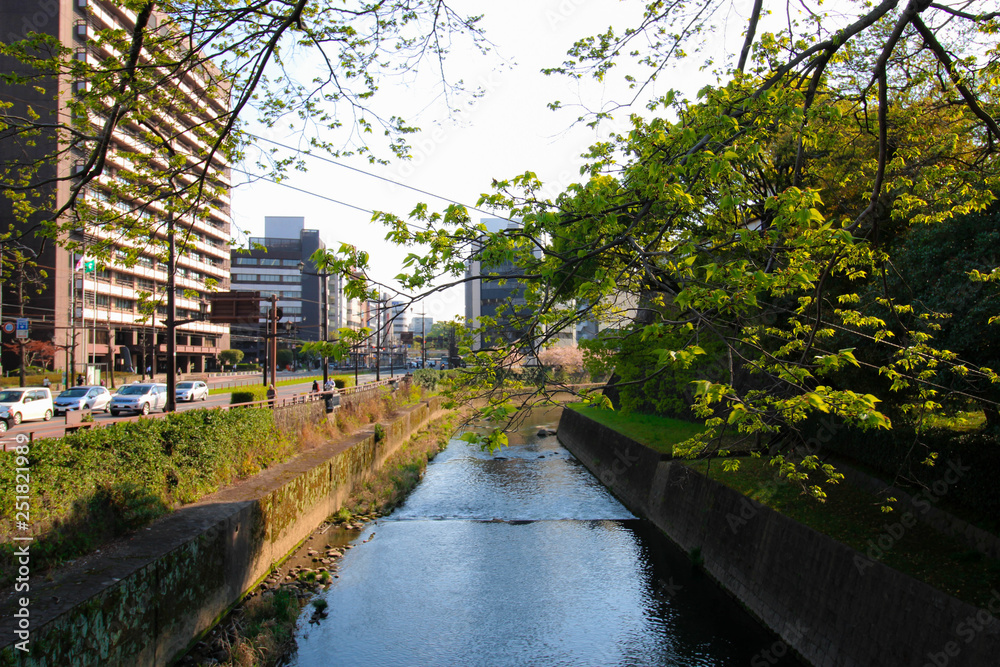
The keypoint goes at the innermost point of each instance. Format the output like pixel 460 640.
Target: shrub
pixel 95 484
pixel 427 378
pixel 249 394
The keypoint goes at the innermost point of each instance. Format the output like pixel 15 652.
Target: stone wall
pixel 145 601
pixel 291 417
pixel 830 603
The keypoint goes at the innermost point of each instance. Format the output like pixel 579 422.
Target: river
pixel 523 558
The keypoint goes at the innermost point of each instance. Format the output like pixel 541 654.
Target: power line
pixel 372 175
pixel 308 192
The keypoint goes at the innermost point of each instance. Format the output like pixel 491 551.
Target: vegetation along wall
pixel 807 587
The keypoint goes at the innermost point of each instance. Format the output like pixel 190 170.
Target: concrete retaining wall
pixel 830 603
pixel 144 601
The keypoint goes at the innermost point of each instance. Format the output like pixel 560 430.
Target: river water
pixel 523 558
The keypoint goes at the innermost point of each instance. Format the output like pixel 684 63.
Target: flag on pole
pixel 88 264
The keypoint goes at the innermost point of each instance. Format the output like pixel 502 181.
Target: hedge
pixel 893 452
pixel 249 394
pixel 102 482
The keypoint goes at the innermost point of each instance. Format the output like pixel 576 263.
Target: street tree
pixel 727 239
pixel 230 357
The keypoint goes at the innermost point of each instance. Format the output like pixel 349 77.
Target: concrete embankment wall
pixel 830 603
pixel 144 601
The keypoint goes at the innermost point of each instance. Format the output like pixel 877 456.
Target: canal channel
pixel 523 558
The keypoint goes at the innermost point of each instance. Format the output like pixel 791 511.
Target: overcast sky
pixel 503 133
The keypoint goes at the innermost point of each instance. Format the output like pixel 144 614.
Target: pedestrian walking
pixel 315 386
pixel 271 394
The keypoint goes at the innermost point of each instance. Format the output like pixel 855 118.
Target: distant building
pixel 279 263
pixel 498 298
pixel 420 324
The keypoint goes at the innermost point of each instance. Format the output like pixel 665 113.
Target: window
pixel 103 300
pixel 246 261
pixel 124 279
pixel 123 304
pixel 245 277
pixel 295 278
pixel 290 294
pixel 290 262
pixel 270 262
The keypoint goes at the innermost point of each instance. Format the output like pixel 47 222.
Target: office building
pixel 279 264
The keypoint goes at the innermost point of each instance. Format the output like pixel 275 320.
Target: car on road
pixel 142 398
pixel 24 403
pixel 93 397
pixel 195 390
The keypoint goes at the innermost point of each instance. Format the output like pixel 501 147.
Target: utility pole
pixel 423 335
pixel 272 343
pixel 171 317
pixel 378 339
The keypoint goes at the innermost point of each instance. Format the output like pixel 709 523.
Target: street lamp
pixel 325 323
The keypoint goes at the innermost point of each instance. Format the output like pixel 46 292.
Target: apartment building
pixel 94 312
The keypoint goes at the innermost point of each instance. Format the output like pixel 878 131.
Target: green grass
pixel 854 517
pixel 659 433
pixel 349 380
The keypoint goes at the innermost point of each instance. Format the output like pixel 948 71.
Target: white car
pixel 139 397
pixel 23 403
pixel 82 398
pixel 192 391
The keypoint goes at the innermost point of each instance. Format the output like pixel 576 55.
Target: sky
pixel 506 131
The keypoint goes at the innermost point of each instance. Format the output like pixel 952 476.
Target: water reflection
pixel 522 559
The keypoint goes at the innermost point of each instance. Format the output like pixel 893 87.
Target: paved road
pixel 56 427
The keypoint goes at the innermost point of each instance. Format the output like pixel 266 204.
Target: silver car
pixel 82 398
pixel 195 390
pixel 139 397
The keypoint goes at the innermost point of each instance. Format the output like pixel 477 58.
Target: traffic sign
pixel 8 327
pixel 22 327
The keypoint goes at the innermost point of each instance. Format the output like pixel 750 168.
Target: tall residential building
pixel 94 317
pixel 279 263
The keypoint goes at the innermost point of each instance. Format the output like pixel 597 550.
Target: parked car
pixel 139 397
pixel 92 397
pixel 195 390
pixel 23 404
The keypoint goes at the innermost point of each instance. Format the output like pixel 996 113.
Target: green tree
pixel 747 223
pixel 230 357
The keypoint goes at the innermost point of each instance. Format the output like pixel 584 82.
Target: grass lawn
pixel 349 382
pixel 854 517
pixel 659 433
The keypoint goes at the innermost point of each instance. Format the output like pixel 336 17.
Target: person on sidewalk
pixel 271 394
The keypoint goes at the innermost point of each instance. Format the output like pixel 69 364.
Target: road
pixel 56 427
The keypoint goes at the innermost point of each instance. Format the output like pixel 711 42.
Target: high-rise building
pixel 95 317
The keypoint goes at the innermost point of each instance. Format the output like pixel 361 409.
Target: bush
pixel 96 484
pixel 249 394
pixel 893 454
pixel 427 378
